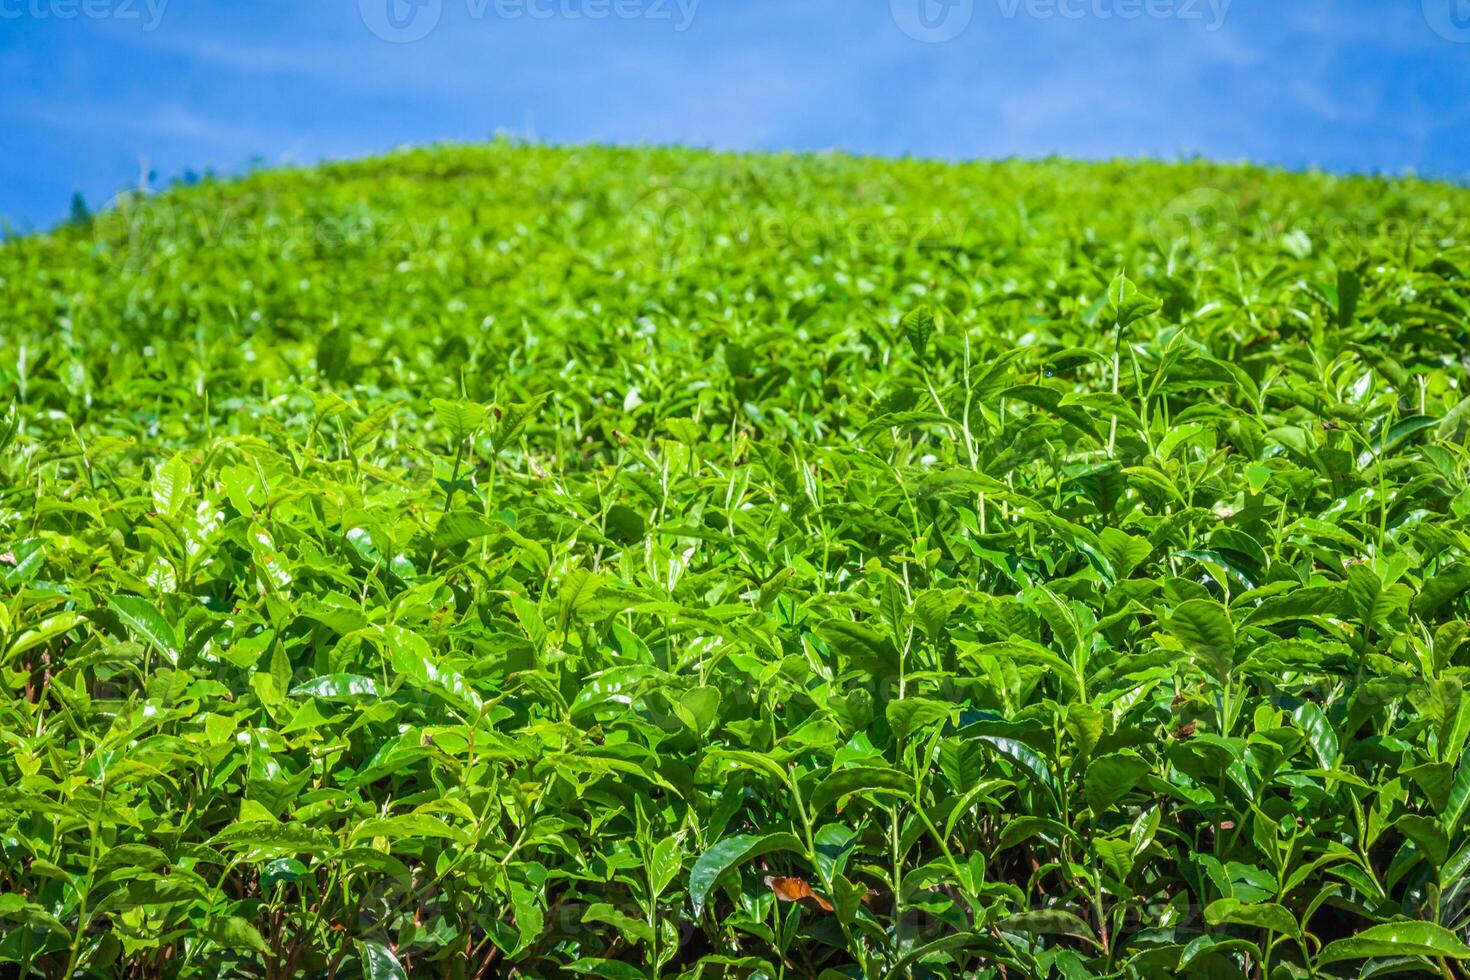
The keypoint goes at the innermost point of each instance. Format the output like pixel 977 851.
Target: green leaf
pixel 406 827
pixel 1084 723
pixel 912 715
pixel 1055 402
pixel 378 961
pixel 1049 922
pixel 1375 602
pixel 43 633
pixel 610 969
pixel 1030 761
pixel 1320 734
pixel 1459 801
pixel 17 908
pixel 577 593
pixel 459 419
pixel 835 844
pixel 861 647
pixel 29 556
pixel 1403 938
pixel 941 949
pixel 1124 551
pixel 699 708
pixel 1263 915
pixel 859 780
pixel 1435 780
pixel 625 525
pixel 918 326
pixel 269 836
pixel 750 760
pixel 530 920
pixel 457 527
pixel 343 687
pixel 1300 604
pixel 1110 777
pixel 1428 837
pixel 1203 627
pixel 143 618
pixel 171 486
pixel 334 354
pixel 664 864
pixel 233 932
pixel 1395 436
pixel 1441 589
pixel 730 852
pixel 636 930
pixel 1127 305
pixel 514 418
pixel 411 658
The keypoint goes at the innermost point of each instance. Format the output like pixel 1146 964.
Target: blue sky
pixel 88 88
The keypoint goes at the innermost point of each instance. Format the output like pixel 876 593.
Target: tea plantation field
pixel 516 561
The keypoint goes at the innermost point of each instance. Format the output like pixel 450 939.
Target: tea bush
pixel 517 561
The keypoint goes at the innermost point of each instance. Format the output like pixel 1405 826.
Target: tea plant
pixel 512 561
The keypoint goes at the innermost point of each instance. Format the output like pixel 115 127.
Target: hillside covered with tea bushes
pixel 518 561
